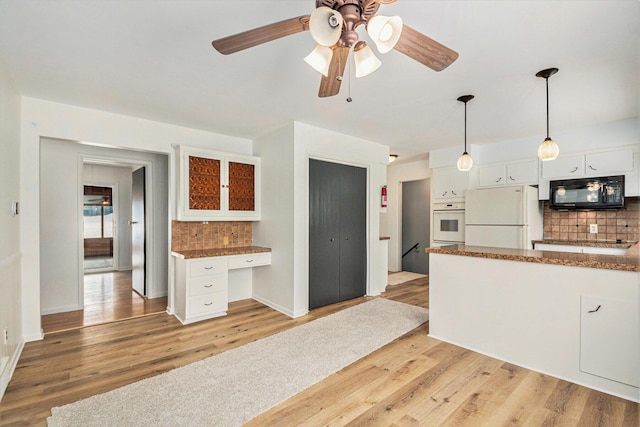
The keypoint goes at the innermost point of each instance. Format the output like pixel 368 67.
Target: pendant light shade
pixel 366 62
pixel 465 162
pixel 319 59
pixel 384 31
pixel 548 150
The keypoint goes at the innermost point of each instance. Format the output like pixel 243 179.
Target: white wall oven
pixel 448 223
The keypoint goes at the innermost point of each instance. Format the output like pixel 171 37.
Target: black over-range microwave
pixel 587 193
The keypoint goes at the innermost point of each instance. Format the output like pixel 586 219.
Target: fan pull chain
pixel 349 87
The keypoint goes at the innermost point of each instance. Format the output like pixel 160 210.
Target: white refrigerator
pixel 503 217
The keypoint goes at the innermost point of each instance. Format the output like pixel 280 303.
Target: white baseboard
pixel 278 307
pixel 62 309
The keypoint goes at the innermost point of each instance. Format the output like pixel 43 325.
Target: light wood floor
pixel 414 381
pixel 108 297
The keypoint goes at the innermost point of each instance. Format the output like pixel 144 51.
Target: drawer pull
pixel 208 268
pixel 208 304
pixel 249 260
pixel 499 179
pixel 511 178
pixel 208 286
pixel 592 168
pixel 593 311
pixel 575 169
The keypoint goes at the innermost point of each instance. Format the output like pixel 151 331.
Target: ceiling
pixel 153 59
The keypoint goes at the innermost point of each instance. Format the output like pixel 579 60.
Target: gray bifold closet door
pixel 337 232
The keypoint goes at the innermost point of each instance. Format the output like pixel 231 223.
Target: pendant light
pixel 465 162
pixel 548 150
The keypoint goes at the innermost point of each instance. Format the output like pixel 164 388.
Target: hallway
pixel 108 297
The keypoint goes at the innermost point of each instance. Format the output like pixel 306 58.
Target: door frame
pixel 106 160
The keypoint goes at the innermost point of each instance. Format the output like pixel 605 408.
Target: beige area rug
pixel 403 276
pixel 233 387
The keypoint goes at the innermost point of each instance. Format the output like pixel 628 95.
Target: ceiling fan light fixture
pixel 319 59
pixel 325 25
pixel 365 60
pixel 548 150
pixel 465 162
pixel 385 31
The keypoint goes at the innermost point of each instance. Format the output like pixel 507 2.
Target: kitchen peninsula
pixel 574 316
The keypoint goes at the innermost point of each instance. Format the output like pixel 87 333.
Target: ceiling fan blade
pixel 424 49
pixel 267 33
pixel 330 85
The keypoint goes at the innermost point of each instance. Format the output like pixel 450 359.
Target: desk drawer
pixel 249 260
pixel 207 284
pixel 208 303
pixel 207 266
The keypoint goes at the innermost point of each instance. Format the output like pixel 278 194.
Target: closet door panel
pixel 324 233
pixel 353 252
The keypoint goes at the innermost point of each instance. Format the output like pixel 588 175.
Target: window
pixel 97 212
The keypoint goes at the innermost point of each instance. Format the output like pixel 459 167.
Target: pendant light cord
pixel 465 127
pixel 547 80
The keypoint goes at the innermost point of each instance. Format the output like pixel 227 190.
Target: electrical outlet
pixel 593 228
pixel 225 240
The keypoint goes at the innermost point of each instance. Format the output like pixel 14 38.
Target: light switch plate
pixel 593 228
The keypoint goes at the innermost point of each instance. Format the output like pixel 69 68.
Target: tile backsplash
pixel 194 235
pixel 622 224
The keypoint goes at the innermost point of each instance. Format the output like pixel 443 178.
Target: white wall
pixel 397 173
pixel 300 143
pixel 120 177
pixel 10 256
pixel 273 284
pixel 54 120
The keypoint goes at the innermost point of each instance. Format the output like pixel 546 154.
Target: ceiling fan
pixel 333 26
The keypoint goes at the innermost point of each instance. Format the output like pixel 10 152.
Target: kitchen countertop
pixel 628 262
pixel 207 253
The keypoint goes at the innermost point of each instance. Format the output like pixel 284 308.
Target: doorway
pixel 69 297
pixel 337 232
pixel 416 197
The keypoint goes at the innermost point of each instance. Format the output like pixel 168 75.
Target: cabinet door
pixel 522 172
pixel 491 175
pixel 609 339
pixel 203 184
pixel 609 162
pixel 458 182
pixel 440 183
pixel 562 167
pixel 242 191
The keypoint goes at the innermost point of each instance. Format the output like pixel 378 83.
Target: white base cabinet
pixel 533 315
pixel 201 284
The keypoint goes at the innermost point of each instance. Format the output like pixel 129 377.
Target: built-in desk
pixel 201 279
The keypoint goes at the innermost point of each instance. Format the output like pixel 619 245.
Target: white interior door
pixel 137 222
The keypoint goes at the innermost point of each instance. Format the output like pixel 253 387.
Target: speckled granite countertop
pixel 207 253
pixel 628 262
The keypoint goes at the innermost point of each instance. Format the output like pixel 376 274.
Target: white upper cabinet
pixel 513 173
pixel 449 183
pixel 491 175
pixel 217 186
pixel 621 161
pixel 563 167
pixel 608 162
